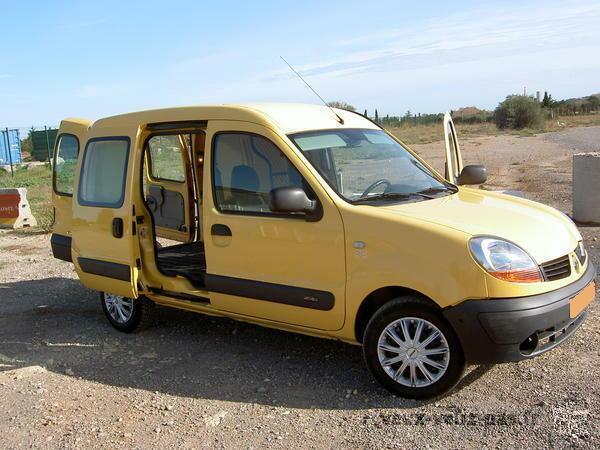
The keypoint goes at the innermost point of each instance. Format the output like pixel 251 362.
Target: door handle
pixel 218 229
pixel 117 227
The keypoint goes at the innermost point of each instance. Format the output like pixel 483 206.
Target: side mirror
pixel 291 200
pixel 475 174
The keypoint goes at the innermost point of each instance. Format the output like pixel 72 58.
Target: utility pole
pixel 12 173
pixel 48 147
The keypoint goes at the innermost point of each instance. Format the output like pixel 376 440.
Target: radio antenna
pixel 339 119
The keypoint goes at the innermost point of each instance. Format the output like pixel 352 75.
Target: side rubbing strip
pixel 105 268
pixel 278 293
pixel 61 247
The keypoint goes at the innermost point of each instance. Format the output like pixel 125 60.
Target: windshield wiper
pixel 389 196
pixel 437 190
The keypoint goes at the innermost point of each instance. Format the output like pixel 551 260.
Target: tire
pixel 135 314
pixel 442 357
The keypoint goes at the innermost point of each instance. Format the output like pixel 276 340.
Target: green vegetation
pixel 342 105
pixel 38 182
pixel 518 112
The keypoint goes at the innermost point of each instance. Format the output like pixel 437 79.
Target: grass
pixel 425 134
pixel 38 181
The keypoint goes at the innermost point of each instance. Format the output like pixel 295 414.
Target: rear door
pixel 64 165
pixel 169 186
pixel 105 247
pixel 454 163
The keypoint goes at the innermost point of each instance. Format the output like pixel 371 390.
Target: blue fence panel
pixel 13 145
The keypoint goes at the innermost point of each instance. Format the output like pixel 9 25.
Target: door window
pixel 246 167
pixel 65 164
pixel 103 173
pixel 166 159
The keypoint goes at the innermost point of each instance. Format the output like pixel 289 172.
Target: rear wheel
pixel 411 350
pixel 127 314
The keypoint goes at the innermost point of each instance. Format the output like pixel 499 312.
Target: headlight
pixel 581 253
pixel 504 260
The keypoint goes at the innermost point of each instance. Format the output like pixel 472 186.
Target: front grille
pixel 557 268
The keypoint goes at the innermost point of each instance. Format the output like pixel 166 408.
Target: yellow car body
pixel 322 277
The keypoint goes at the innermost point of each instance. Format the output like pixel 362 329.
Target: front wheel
pixel 411 350
pixel 127 314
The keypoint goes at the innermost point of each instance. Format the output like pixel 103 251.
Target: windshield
pixel 364 164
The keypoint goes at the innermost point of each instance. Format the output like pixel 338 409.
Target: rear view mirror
pixel 291 200
pixel 475 174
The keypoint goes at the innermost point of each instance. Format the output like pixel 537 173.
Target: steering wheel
pixel 372 186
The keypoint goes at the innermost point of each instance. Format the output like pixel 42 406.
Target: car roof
pixel 287 117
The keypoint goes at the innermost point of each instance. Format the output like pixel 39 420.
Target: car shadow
pixel 58 324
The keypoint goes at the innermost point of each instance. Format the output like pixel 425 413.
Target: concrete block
pixel 586 187
pixel 14 209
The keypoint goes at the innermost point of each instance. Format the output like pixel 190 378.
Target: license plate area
pixel 582 299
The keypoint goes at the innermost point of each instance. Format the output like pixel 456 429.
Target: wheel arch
pixel 376 300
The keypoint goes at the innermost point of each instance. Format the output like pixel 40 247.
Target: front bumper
pixel 513 329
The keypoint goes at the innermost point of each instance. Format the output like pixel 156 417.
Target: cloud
pixel 477 34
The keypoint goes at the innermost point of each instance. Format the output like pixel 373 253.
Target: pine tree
pixel 376 116
pixel 547 100
pixel 365 114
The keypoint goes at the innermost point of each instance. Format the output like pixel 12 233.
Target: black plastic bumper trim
pixel 105 268
pixel 491 330
pixel 61 247
pixel 278 293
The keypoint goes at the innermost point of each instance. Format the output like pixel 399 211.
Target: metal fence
pixel 10 148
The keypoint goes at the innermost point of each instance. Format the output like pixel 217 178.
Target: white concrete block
pixel 14 209
pixel 586 187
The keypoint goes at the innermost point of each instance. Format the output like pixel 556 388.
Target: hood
pixel 540 230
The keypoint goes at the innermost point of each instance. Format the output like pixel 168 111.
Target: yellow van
pixel 316 220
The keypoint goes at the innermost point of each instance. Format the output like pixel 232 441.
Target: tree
pixel 376 115
pixel 365 114
pixel 547 101
pixel 519 111
pixel 341 105
pixel 594 101
pixel 27 144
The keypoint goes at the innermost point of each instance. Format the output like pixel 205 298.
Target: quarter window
pixel 166 159
pixel 65 164
pixel 103 172
pixel 246 168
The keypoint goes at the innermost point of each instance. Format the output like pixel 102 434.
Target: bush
pixel 342 105
pixel 519 111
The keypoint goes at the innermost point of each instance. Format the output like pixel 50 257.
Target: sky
pixel 98 58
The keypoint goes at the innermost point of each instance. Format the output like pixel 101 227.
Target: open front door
pixel 454 163
pixel 105 247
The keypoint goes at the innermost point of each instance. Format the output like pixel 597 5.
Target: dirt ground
pixel 67 379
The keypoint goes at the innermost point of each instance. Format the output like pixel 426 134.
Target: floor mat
pixel 187 260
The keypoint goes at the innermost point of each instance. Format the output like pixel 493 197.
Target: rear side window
pixel 102 181
pixel 65 163
pixel 166 159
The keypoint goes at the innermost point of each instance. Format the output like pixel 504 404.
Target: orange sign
pixel 581 300
pixel 9 206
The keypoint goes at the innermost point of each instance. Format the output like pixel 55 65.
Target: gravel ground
pixel 67 379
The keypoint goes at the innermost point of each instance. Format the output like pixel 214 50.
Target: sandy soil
pixel 67 379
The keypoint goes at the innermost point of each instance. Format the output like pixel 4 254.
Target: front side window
pixel 65 164
pixel 246 167
pixel 166 159
pixel 365 164
pixel 103 173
